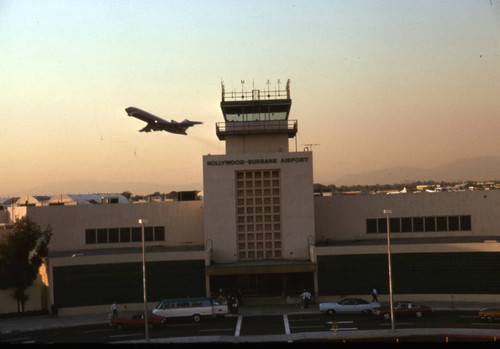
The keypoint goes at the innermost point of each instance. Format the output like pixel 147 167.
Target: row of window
pixel 258 203
pixel 134 234
pixel 419 224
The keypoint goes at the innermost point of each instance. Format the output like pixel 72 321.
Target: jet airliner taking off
pixel 158 124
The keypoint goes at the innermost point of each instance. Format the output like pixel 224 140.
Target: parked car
pixel 489 314
pixel 137 320
pixel 348 305
pixel 403 309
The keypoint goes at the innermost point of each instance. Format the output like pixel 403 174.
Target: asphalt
pixel 33 323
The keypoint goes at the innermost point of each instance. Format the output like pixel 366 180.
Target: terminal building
pixel 261 231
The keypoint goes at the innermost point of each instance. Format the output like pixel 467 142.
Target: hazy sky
pixel 375 84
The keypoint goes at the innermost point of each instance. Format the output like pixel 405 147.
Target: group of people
pixel 234 299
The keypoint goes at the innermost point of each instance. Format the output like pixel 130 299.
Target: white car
pixel 349 305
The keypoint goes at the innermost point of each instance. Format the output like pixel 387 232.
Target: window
pixel 453 223
pixel 159 233
pixel 430 223
pixel 136 235
pixel 465 223
pixel 382 225
pixel 125 234
pixel 394 224
pixel 148 234
pixel 258 217
pixel 90 236
pixel 113 235
pixel 419 224
pixel 406 225
pixel 102 236
pixel 442 223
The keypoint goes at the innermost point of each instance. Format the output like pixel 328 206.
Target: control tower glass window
pixel 239 117
pixel 258 201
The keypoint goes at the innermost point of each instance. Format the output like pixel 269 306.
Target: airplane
pixel 397 192
pixel 158 124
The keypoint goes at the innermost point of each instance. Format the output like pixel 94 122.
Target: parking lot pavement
pixel 32 323
pixel 23 324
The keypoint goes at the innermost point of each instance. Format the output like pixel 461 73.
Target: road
pixel 318 326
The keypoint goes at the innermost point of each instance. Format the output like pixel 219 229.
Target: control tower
pixel 258 197
pixel 256 121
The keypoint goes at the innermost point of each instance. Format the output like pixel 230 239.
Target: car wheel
pixel 196 317
pixel 386 316
pixel 490 318
pixel 331 312
pixel 119 326
pixel 419 314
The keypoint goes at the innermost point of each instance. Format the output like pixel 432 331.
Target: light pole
pixel 142 222
pixel 387 213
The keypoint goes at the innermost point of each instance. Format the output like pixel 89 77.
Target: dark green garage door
pixel 105 283
pixel 415 273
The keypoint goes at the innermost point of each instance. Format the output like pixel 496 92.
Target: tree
pixel 22 251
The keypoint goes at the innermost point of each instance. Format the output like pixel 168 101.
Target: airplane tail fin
pixel 192 122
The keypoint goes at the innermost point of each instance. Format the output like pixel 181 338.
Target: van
pixel 191 307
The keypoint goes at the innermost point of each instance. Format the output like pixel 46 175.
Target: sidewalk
pixel 25 324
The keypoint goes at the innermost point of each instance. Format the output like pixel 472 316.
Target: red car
pixel 137 320
pixel 403 309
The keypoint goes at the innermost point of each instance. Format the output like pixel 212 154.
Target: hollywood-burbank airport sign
pixel 260 161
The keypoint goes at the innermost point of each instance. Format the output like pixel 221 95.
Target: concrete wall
pixel 37 297
pixel 343 218
pixel 258 143
pixel 183 222
pixel 297 204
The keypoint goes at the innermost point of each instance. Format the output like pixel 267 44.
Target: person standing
pixel 114 309
pixel 306 298
pixel 374 295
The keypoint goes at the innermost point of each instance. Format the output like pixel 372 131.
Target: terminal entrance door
pixel 280 285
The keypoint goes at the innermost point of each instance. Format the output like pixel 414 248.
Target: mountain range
pixel 473 169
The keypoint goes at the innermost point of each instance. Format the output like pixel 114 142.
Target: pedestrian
pixel 114 309
pixel 239 296
pixel 374 295
pixel 306 298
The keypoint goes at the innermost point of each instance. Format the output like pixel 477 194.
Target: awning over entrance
pixel 261 267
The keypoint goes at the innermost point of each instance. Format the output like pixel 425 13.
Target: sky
pixel 374 84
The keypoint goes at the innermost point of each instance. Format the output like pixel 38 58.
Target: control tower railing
pixel 256 95
pixel 288 127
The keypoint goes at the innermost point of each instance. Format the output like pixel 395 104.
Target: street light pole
pixel 146 324
pixel 387 213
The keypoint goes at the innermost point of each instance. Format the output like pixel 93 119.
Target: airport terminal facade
pixel 261 230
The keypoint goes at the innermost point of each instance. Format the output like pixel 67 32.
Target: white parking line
pixel 287 325
pixel 238 326
pixel 127 335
